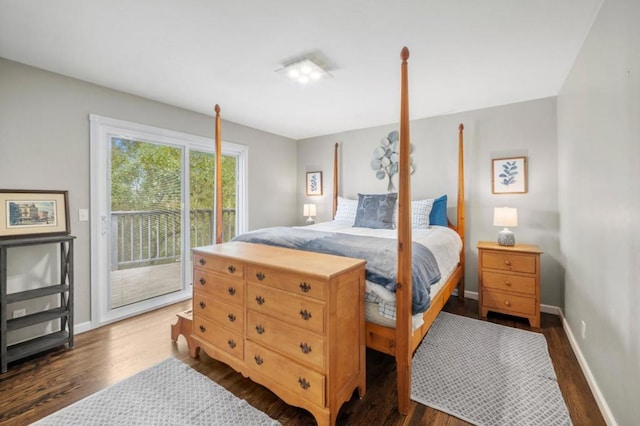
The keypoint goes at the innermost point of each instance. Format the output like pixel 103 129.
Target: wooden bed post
pixel 335 181
pixel 460 220
pixel 218 178
pixel 404 278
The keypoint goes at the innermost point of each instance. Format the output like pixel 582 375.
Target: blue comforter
pixel 381 255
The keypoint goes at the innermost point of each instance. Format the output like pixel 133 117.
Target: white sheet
pixel 444 243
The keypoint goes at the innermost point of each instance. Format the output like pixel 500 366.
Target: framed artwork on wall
pixel 509 175
pixel 314 183
pixel 30 213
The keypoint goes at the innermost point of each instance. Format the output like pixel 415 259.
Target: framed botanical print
pixel 314 183
pixel 29 213
pixel 509 175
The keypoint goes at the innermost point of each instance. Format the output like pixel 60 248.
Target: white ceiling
pixel 465 54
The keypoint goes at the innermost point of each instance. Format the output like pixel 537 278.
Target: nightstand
pixel 509 280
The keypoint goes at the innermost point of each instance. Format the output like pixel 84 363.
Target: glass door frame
pixel 102 130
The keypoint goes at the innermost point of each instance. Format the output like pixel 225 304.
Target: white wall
pixel 599 175
pixel 522 129
pixel 44 144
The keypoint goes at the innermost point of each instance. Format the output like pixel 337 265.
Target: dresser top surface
pixel 319 264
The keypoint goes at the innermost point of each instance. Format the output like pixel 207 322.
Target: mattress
pixel 444 243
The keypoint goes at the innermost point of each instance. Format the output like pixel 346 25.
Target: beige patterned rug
pixel 170 393
pixel 487 374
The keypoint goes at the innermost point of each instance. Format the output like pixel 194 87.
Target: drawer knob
pixel 260 276
pixel 202 281
pixel 260 300
pixel 305 287
pixel 231 269
pixel 231 317
pixel 231 290
pixel 306 315
pixel 507 262
pixel 202 304
pixel 507 303
pixel 202 261
pixel 203 328
pixel 258 359
pixel 303 383
pixel 305 348
pixel 507 283
pixel 259 329
pixel 231 343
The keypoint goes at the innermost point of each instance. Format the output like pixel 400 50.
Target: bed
pixel 401 336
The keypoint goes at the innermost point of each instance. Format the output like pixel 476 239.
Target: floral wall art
pixel 510 175
pixel 385 159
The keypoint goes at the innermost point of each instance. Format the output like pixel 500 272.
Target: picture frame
pixel 314 183
pixel 31 213
pixel 509 175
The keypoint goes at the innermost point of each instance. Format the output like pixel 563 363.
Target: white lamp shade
pixel 309 210
pixel 505 216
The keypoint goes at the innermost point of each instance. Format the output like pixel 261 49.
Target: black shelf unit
pixel 62 313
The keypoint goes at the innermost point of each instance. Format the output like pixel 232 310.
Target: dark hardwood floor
pixel 34 388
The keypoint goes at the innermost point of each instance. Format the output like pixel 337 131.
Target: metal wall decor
pixel 385 159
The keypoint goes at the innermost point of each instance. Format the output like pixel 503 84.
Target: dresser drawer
pixel 301 345
pixel 220 265
pixel 297 379
pixel 308 286
pixel 295 310
pixel 509 303
pixel 226 314
pixel 219 287
pixel 509 261
pixel 509 282
pixel 218 336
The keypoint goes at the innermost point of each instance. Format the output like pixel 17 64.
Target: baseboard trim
pixel 593 385
pixel 81 328
pixel 547 309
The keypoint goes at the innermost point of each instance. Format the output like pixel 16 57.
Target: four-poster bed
pixel 400 340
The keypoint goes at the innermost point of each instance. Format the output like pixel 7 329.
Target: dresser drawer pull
pixel 231 343
pixel 202 261
pixel 260 300
pixel 305 348
pixel 259 329
pixel 507 303
pixel 305 287
pixel 306 315
pixel 258 359
pixel 232 269
pixel 232 291
pixel 202 304
pixel 260 276
pixel 203 328
pixel 303 383
pixel 231 317
pixel 507 262
pixel 507 283
pixel 202 281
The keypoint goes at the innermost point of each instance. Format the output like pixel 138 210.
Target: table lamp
pixel 309 210
pixel 507 217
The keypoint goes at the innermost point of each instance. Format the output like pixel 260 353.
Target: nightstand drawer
pixel 509 303
pixel 509 262
pixel 509 282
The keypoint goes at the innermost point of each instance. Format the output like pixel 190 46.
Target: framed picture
pixel 29 213
pixel 314 183
pixel 509 175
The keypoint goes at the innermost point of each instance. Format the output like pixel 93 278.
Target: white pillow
pixel 346 211
pixel 420 210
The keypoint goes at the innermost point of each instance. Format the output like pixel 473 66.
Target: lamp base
pixel 310 221
pixel 506 238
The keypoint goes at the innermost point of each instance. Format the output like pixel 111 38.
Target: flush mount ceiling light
pixel 304 71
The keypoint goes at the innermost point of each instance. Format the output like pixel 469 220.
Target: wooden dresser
pixel 509 280
pixel 290 320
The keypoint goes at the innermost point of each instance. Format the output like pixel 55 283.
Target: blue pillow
pixel 375 211
pixel 438 214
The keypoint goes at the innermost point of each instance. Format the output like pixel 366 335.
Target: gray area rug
pixel 487 374
pixel 170 393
